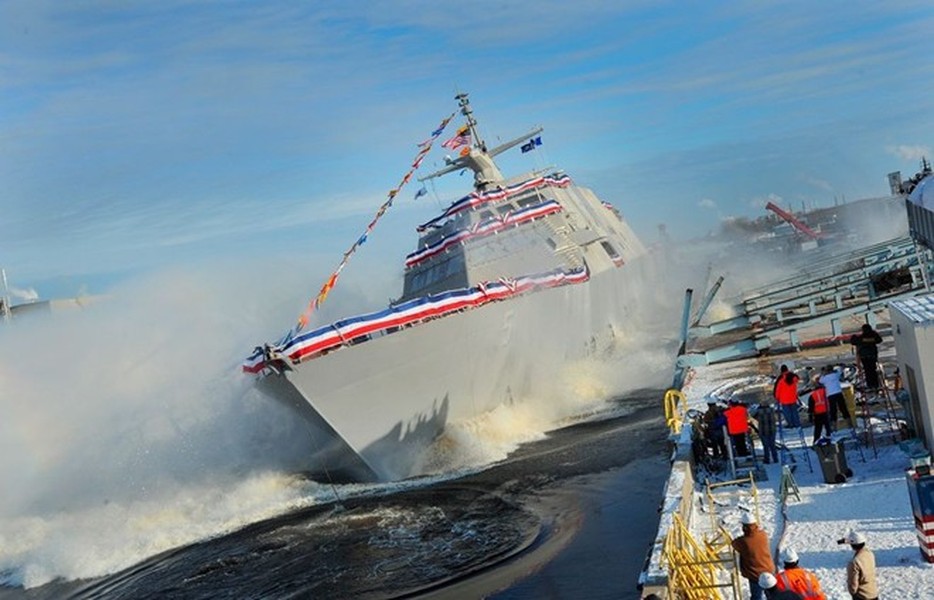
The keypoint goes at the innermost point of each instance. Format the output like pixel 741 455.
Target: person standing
pixel 786 393
pixel 713 429
pixel 798 579
pixel 867 351
pixel 831 380
pixel 781 373
pixel 769 584
pixel 737 426
pixel 755 558
pixel 861 570
pixel 765 423
pixel 818 409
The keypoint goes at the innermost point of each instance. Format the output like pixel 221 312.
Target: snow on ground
pixel 873 501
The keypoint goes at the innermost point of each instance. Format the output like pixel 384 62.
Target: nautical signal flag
pixel 423 191
pixel 531 144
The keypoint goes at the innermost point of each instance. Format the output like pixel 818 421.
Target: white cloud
pixel 906 152
pixel 707 203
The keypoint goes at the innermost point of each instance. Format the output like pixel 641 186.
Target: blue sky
pixel 139 136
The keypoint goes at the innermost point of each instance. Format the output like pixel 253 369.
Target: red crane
pixel 794 222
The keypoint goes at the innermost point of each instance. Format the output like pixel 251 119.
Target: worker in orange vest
pixel 818 408
pixel 798 579
pixel 786 394
pixel 737 426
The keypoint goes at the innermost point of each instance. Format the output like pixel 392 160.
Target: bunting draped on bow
pixel 317 342
pixel 424 148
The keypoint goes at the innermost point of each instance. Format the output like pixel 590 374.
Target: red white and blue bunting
pixel 484 228
pixel 476 198
pixel 296 347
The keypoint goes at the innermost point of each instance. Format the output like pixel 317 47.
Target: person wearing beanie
pixel 755 558
pixel 769 585
pixel 766 422
pixel 861 570
pixel 867 350
pixel 797 579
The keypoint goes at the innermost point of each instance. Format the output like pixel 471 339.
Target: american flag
pixel 457 141
pixel 461 138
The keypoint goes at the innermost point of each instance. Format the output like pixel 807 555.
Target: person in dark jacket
pixel 867 351
pixel 766 425
pixel 714 421
pixel 755 557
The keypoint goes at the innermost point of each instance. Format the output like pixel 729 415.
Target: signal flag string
pixel 424 148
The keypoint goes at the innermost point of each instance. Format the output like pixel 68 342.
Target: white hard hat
pixel 855 537
pixel 789 556
pixel 767 581
pixel 748 518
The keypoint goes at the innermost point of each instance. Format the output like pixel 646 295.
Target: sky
pixel 136 137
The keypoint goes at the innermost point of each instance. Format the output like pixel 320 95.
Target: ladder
pixel 784 455
pixel 862 404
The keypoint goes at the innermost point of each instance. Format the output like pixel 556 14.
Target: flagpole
pixel 464 103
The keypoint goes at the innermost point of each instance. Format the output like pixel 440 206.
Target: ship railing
pixel 698 571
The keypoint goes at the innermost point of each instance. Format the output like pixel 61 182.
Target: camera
pixel 842 541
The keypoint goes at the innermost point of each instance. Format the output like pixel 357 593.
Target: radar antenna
pixel 477 158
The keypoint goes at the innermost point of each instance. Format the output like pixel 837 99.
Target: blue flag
pixel 421 192
pixel 531 144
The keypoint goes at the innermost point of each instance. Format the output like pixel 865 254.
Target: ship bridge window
pixel 504 208
pixel 418 282
pixel 610 250
pixel 486 214
pixel 436 272
pixel 527 201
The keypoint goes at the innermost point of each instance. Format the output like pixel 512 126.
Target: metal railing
pixel 696 571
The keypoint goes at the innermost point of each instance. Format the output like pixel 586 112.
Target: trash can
pixel 833 462
pixel 921 493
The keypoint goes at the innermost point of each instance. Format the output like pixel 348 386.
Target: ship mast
pixel 464 103
pixel 478 159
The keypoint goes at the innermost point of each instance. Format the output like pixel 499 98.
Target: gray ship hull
pixel 374 407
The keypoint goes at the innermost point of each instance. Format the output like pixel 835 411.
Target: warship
pixel 507 287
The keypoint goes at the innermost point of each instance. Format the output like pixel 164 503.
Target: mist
pixel 129 429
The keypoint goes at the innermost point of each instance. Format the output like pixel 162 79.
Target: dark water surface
pixel 570 516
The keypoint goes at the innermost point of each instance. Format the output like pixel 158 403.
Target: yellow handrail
pixel 695 571
pixel 674 411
